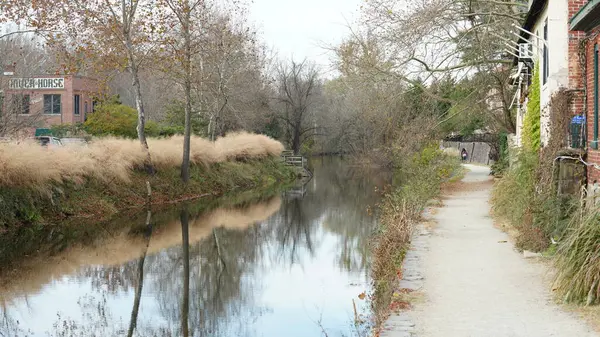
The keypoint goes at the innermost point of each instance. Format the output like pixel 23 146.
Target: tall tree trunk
pixel 185 165
pixel 139 104
pixel 185 238
pixel 141 126
pixel 296 140
pixel 210 125
pixel 137 91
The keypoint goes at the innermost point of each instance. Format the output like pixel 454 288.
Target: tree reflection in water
pixel 210 283
pixel 185 244
pixel 219 294
pixel 140 275
pixel 294 229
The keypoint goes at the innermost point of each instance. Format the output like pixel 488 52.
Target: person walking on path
pixel 464 155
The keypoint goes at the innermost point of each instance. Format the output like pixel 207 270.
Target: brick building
pixel 585 24
pixel 555 48
pixel 48 99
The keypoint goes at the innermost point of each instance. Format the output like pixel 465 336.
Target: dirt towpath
pixel 473 282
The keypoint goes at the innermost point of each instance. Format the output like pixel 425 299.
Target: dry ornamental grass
pixel 578 260
pixel 27 164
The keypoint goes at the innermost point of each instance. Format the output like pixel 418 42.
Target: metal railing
pixel 290 159
pixel 298 161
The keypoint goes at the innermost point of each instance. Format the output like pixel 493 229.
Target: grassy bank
pixel 525 200
pixel 418 179
pixel 565 228
pixel 95 200
pixel 93 183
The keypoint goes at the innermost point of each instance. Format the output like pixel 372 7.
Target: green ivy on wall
pixel 531 124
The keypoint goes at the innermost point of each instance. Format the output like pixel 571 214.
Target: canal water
pixel 291 263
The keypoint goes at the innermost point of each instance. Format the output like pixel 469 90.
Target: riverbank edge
pixel 527 203
pixel 424 178
pixel 93 200
pixel 35 219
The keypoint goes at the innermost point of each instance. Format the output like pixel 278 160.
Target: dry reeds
pixel 398 218
pixel 241 146
pixel 27 164
pixel 578 260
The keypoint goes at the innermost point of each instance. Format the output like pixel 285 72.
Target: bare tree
pixel 435 39
pixel 25 56
pixel 298 87
pixel 230 82
pixel 186 16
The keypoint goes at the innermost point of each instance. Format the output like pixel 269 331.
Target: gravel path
pixel 474 283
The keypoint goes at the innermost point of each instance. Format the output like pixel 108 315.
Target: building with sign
pixel 50 100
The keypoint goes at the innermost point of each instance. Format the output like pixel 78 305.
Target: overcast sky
pixel 298 27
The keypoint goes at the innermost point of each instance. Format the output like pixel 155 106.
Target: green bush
pixel 68 130
pixel 514 198
pixel 175 121
pixel 535 210
pixel 117 120
pixel 531 123
pixel 503 162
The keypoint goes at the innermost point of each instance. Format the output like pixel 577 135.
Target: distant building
pixel 48 100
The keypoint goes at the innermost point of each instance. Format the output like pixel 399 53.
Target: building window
pixel 76 105
pixel 546 70
pixel 21 104
pixel 595 141
pixel 85 107
pixel 52 105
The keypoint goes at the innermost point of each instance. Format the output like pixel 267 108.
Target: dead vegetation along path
pixel 476 284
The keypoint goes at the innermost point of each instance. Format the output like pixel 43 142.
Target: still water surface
pixel 286 265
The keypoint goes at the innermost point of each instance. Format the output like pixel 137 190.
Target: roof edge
pixel 537 7
pixel 584 19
